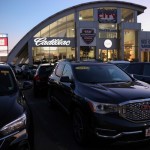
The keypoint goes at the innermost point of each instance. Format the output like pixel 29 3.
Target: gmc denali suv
pixel 102 100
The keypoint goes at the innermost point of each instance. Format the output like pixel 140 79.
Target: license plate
pixel 147 132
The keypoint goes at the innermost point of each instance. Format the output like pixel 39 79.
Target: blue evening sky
pixel 19 16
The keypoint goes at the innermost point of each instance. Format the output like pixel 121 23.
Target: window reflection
pixel 86 15
pixel 52 54
pixel 127 15
pixel 107 30
pixel 63 27
pixel 130 47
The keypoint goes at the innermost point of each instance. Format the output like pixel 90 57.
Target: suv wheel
pixel 35 90
pixel 50 99
pixel 24 146
pixel 80 127
pixel 28 76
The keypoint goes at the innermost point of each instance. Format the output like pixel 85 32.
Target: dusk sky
pixel 19 16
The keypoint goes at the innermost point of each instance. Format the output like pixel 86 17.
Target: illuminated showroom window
pixel 107 30
pixel 130 45
pixel 86 15
pixel 63 27
pixel 127 15
pixel 52 54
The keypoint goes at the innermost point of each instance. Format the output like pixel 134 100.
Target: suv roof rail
pixel 2 63
pixel 69 60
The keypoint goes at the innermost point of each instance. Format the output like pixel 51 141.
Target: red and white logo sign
pixel 3 41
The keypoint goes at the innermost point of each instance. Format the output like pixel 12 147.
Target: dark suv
pixel 140 71
pixel 15 116
pixel 40 78
pixel 102 100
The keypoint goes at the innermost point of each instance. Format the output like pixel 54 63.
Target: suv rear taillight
pixel 37 78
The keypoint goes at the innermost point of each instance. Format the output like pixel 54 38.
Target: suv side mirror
pixel 27 85
pixel 65 79
pixel 132 75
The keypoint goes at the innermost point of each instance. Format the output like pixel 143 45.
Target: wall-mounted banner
pixel 87 37
pixel 3 44
pixel 3 41
pixel 107 15
pixel 145 44
pixel 52 42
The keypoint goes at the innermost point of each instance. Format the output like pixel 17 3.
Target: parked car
pixel 120 63
pixel 18 70
pixel 28 71
pixel 16 121
pixel 102 100
pixel 140 71
pixel 41 78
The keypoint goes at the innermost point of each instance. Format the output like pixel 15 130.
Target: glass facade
pixel 130 45
pixel 63 27
pixel 86 15
pixel 52 54
pixel 105 26
pixel 108 55
pixel 127 15
pixel 107 30
pixel 87 52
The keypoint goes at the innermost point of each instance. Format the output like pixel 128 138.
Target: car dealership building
pixel 104 30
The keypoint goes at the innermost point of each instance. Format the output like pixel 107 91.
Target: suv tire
pixel 36 91
pixel 80 127
pixel 50 99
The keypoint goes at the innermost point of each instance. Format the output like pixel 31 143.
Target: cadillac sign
pixel 52 42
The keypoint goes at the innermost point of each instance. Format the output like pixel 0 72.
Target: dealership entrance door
pixel 87 52
pixel 107 55
pixel 145 56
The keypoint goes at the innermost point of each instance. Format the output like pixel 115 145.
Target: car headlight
pixel 102 108
pixel 14 126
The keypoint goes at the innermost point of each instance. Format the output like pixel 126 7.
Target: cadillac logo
pixel 88 35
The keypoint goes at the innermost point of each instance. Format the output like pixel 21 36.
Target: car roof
pixel 140 63
pixel 4 66
pixel 119 61
pixel 93 62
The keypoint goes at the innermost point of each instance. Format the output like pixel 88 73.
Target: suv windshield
pixel 7 84
pixel 44 70
pixel 100 74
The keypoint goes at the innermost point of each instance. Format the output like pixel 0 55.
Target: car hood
pixel 10 109
pixel 115 92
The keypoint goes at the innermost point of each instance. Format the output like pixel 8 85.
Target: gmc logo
pixel 145 107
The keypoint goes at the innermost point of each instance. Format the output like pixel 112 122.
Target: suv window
pixel 134 69
pixel 59 69
pixel 7 84
pixel 45 69
pixel 67 71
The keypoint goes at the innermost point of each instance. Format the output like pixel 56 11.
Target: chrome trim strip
pixel 2 143
pixel 134 101
pixel 5 137
pixel 118 135
pixel 146 100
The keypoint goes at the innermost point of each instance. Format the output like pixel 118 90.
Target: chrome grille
pixel 136 110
